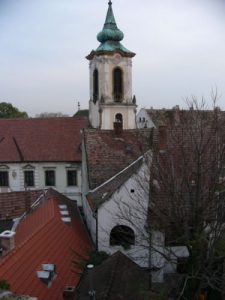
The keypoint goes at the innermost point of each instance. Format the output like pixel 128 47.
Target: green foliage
pixel 4 285
pixel 198 250
pixel 7 110
pixel 220 248
pixel 80 261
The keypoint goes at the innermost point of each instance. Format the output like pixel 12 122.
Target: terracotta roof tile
pixel 35 140
pixel 174 116
pixel 101 194
pixel 108 153
pixel 40 238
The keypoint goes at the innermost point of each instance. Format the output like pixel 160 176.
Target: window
pixel 95 85
pixel 28 178
pixel 119 118
pixel 4 178
pixel 50 178
pixel 122 235
pixel 71 177
pixel 118 84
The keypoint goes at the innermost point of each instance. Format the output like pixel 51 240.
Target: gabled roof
pixel 42 237
pixel 102 193
pixel 41 140
pixel 117 278
pixel 107 153
pixel 174 116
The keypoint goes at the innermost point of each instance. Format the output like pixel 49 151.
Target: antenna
pixel 78 105
pixel 91 290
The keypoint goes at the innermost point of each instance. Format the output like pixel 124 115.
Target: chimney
pixel 162 138
pixel 177 114
pixel 118 127
pixel 7 241
pixel 27 202
pixel 68 293
pixel 91 285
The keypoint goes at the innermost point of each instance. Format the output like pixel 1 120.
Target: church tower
pixel 111 98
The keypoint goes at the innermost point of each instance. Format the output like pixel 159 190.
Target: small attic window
pixel 63 207
pixel 132 190
pixel 66 220
pixel 64 212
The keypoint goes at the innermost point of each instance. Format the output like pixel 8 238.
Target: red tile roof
pixel 103 193
pixel 108 153
pixel 185 173
pixel 175 116
pixel 35 140
pixel 40 238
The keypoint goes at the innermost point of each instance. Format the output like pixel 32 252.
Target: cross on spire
pixel 110 2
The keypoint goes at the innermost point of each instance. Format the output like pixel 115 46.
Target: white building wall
pixel 102 114
pixel 109 113
pixel 88 213
pixel 16 177
pixel 143 120
pixel 128 206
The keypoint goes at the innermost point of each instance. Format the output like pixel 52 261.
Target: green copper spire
pixel 110 31
pixel 110 38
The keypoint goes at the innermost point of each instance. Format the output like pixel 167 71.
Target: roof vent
pixel 64 212
pixel 68 293
pixel 63 207
pixel 66 220
pixel 47 274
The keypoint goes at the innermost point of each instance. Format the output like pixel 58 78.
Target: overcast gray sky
pixel 180 47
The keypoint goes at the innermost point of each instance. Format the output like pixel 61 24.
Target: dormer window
pixel 118 85
pixel 95 86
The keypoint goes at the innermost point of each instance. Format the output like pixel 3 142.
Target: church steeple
pixel 110 37
pixel 110 31
pixel 111 98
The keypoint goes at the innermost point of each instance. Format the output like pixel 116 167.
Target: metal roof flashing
pixel 7 234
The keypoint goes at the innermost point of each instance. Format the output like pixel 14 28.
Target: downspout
pixel 96 234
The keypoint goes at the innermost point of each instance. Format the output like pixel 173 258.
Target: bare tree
pixel 186 200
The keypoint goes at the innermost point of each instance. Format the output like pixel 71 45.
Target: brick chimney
pixel 7 239
pixel 68 293
pixel 162 138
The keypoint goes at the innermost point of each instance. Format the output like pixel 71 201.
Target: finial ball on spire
pixel 110 2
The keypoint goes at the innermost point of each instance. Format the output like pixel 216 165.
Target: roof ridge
pixel 111 279
pixel 117 174
pixel 18 149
